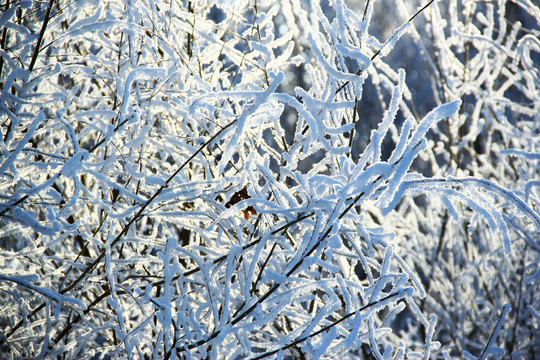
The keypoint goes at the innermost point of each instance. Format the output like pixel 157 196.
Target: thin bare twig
pixel 41 35
pixel 376 54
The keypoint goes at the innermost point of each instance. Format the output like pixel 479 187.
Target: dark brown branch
pixel 41 35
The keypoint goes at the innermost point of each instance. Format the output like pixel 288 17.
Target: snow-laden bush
pixel 234 179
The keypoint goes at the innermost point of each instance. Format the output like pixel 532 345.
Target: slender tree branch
pixel 37 49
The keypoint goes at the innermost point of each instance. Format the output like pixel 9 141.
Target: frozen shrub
pixel 211 180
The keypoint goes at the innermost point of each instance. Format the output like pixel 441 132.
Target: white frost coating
pixel 529 6
pixel 430 344
pixel 28 218
pixel 449 206
pixel 526 154
pixel 366 180
pixel 363 60
pixel 389 116
pixel 113 299
pixel 416 310
pixel 467 355
pixel 492 215
pixel 313 103
pixel 345 292
pixel 400 146
pixel 389 254
pixel 327 339
pixel 31 129
pixel 434 116
pixel 417 143
pixel 16 73
pixel 400 170
pixel 73 137
pixel 372 341
pixel 528 187
pixel 353 335
pixel 141 73
pixel 527 44
pixel 329 68
pixel 267 53
pixel 92 19
pixel 154 180
pixel 74 163
pixel 324 195
pixel 8 13
pixel 231 264
pixel 105 26
pixel 275 277
pixel 26 282
pixel 413 276
pixel 391 43
pixel 491 186
pixel 114 185
pixel 242 119
pixel 334 242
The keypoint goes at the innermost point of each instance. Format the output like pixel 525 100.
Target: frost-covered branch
pixel 239 179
